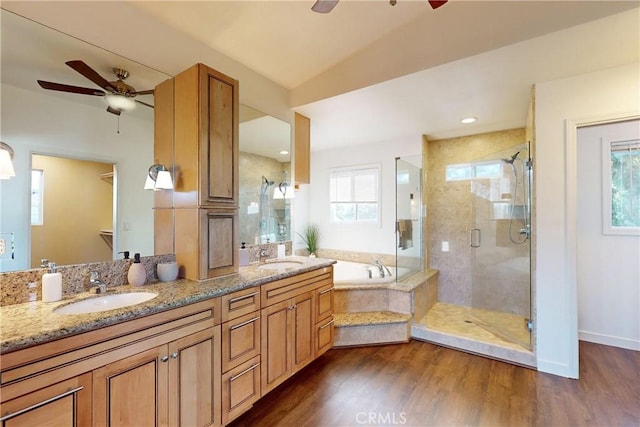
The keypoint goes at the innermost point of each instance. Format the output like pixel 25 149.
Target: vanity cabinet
pixel 67 403
pixel 162 369
pixel 241 362
pixel 289 321
pixel 173 384
pixel 324 319
pixel 199 218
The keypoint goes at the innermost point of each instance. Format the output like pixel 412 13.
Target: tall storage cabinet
pixel 202 214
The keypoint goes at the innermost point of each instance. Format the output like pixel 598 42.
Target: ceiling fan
pixel 326 6
pixel 118 95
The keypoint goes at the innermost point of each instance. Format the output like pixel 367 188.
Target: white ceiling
pixel 371 72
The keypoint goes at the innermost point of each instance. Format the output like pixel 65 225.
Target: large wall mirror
pixel 64 126
pixel 265 166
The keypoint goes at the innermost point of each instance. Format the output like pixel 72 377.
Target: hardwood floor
pixel 421 384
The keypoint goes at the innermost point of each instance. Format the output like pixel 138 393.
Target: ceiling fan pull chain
pixel 118 124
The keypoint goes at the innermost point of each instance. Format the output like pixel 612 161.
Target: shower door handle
pixel 475 237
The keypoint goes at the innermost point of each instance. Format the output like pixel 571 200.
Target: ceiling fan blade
pixel 144 92
pixel 67 88
pixel 145 104
pixel 113 111
pixel 91 74
pixel 324 6
pixel 436 3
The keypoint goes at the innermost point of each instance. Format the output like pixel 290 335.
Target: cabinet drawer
pixel 324 302
pixel 324 336
pixel 240 389
pixel 240 340
pixel 240 303
pixel 284 289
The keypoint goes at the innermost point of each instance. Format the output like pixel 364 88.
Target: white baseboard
pixel 609 340
pixel 555 368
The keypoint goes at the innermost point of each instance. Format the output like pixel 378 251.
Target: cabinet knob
pixel 164 358
pixel 174 355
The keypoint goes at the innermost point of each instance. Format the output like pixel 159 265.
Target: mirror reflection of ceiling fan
pixel 326 6
pixel 118 95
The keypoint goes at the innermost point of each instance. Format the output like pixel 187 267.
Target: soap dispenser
pixel 243 255
pixel 52 284
pixel 137 275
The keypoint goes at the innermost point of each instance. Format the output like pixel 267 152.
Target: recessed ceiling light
pixel 468 120
pixel 283 152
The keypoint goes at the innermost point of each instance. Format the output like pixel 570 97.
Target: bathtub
pixel 355 274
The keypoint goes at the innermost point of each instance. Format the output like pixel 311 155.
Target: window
pixel 37 197
pixel 465 171
pixel 354 195
pixel 621 187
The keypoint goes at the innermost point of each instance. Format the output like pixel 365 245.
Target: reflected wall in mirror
pixel 264 164
pixel 41 121
pixel 58 210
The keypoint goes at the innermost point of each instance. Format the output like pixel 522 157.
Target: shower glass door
pixel 409 216
pixel 501 245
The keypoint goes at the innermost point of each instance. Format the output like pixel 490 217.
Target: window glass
pixel 354 195
pixel 621 187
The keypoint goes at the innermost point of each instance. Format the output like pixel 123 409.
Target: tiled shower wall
pixel 449 218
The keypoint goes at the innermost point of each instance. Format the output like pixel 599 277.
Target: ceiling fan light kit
pixel 118 95
pixel 120 102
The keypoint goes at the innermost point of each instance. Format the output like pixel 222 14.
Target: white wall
pixel 608 266
pixel 559 107
pixel 45 124
pixel 359 238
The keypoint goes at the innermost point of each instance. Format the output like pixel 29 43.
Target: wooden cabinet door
pixel 240 340
pixel 219 135
pixel 302 324
pixel 240 389
pixel 219 238
pixel 194 379
pixel 324 336
pixel 67 403
pixel 132 391
pixel 276 344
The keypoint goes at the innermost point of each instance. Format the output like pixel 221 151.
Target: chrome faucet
pixel 382 269
pixel 95 282
pixel 263 255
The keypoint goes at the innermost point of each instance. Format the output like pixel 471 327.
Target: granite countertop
pixel 32 323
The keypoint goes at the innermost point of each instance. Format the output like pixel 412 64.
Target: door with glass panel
pixel 501 245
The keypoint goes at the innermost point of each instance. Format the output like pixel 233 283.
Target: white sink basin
pixel 280 265
pixel 104 303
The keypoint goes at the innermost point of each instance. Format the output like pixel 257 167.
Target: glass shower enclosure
pixel 409 216
pixel 500 241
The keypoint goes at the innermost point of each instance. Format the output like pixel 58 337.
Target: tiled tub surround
pixel 376 311
pixel 32 323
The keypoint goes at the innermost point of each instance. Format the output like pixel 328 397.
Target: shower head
pixel 512 159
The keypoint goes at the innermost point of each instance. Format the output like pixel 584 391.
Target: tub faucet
pixel 383 269
pixel 95 282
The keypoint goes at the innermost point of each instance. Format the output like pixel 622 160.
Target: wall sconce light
pixel 158 178
pixel 284 190
pixel 6 164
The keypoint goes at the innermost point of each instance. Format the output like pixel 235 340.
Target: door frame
pixel 571 236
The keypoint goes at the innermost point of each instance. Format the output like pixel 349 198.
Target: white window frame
pixel 607 227
pixel 39 207
pixel 352 171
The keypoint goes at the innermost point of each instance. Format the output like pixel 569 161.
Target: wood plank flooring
pixel 421 384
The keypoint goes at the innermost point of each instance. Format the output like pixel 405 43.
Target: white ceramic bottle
pixel 137 275
pixel 52 284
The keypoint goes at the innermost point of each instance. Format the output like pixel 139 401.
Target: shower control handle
pixel 475 237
